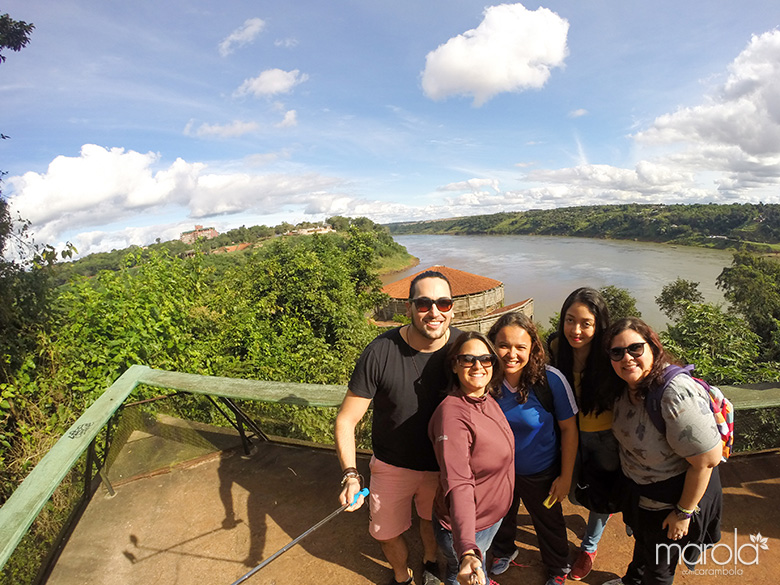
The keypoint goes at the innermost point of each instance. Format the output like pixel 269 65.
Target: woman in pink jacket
pixel 475 450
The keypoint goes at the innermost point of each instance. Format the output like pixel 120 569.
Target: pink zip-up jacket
pixel 475 449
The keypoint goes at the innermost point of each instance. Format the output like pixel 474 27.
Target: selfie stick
pixel 284 549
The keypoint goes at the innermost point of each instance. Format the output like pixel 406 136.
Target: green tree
pixel 619 302
pixel 297 311
pixel 721 345
pixel 675 294
pixel 338 223
pixel 25 291
pixel 14 34
pixel 150 312
pixel 283 228
pixel 752 285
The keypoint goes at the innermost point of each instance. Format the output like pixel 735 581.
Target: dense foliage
pixel 752 285
pixel 737 345
pixel 745 226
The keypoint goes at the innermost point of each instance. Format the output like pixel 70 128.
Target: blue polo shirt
pixel 537 446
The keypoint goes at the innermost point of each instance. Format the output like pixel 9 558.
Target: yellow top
pixel 590 423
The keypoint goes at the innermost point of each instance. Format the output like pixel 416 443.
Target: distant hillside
pixel 744 226
pixel 233 246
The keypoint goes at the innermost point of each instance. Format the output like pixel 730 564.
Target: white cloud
pixel 243 35
pixel 233 130
pixel 476 186
pixel 578 113
pixel 727 148
pixel 736 131
pixel 104 186
pixel 646 177
pixel 89 242
pixel 288 43
pixel 271 82
pixel 266 158
pixel 290 119
pixel 513 49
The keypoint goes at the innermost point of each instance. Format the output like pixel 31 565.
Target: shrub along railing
pixel 24 505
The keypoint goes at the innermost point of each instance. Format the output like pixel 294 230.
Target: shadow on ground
pixel 213 517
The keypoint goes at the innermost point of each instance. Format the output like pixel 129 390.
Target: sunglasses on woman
pixel 466 360
pixel 634 350
pixel 424 304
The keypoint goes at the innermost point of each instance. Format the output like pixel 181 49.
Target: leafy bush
pixel 720 344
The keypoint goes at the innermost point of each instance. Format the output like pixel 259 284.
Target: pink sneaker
pixel 582 565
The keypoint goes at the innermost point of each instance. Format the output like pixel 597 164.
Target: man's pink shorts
pixel 392 491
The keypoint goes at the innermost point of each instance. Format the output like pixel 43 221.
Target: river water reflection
pixel 549 268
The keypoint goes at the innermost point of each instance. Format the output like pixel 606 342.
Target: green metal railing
pixel 22 508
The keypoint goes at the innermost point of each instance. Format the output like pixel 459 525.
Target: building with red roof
pixel 193 236
pixel 478 300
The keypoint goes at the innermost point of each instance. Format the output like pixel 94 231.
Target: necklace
pixel 414 363
pixel 405 329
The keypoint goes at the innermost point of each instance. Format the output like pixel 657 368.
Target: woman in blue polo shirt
pixel 540 407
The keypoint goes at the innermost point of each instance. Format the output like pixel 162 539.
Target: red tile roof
pixel 463 283
pixel 508 308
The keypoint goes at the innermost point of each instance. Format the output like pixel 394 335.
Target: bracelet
pixel 351 473
pixel 470 554
pixel 684 511
pixel 684 514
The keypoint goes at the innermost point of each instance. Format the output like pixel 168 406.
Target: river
pixel 548 268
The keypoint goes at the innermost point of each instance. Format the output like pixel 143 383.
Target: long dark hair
pixel 661 357
pixel 452 353
pixel 594 398
pixel 534 372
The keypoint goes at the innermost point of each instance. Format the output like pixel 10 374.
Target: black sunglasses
pixel 466 360
pixel 634 350
pixel 424 304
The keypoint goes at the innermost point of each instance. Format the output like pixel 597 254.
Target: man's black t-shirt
pixel 406 386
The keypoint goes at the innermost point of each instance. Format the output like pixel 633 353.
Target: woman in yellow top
pixel 577 352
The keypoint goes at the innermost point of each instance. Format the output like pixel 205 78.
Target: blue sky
pixel 135 120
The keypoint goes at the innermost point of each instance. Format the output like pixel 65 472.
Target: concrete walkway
pixel 215 513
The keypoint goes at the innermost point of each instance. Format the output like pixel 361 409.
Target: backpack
pixel 721 407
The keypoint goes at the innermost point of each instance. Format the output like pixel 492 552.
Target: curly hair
pixel 494 385
pixel 661 357
pixel 594 397
pixel 534 372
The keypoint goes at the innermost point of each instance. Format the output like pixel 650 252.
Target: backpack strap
pixel 544 396
pixel 654 395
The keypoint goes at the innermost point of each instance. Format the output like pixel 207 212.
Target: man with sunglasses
pixel 403 372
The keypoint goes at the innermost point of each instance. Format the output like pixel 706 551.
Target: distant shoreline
pixel 737 227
